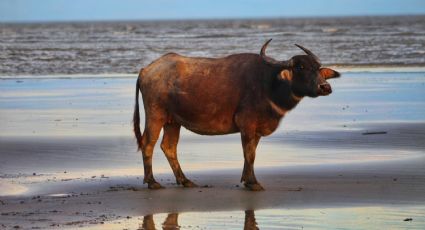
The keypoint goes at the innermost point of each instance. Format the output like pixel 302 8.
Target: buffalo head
pixel 303 72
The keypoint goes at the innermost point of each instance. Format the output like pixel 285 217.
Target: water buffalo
pixel 246 93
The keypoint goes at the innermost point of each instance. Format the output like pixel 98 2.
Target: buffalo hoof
pixel 189 184
pixel 254 187
pixel 155 185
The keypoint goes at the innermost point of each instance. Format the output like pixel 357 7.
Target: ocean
pixel 125 47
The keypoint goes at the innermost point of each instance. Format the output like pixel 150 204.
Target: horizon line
pixel 204 19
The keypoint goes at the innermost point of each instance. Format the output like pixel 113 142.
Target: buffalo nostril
pixel 325 88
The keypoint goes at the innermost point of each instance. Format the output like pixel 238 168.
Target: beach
pixel 354 159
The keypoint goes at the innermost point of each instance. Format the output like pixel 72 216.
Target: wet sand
pixel 68 159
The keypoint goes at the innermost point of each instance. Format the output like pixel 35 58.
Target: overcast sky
pixel 75 10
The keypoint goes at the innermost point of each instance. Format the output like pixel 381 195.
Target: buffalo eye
pixel 299 67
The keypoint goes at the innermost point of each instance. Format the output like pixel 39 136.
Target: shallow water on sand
pixel 85 123
pixel 380 217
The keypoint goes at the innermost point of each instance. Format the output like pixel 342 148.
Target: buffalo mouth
pixel 324 89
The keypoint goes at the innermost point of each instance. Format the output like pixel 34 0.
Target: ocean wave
pixel 122 47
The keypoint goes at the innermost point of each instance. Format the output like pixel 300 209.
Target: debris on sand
pixel 295 189
pixel 122 188
pixel 373 133
pixel 408 219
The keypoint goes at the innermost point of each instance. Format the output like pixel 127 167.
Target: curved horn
pixel 270 60
pixel 307 51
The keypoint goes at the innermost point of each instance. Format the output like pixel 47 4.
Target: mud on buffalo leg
pixel 249 144
pixel 149 139
pixel 169 147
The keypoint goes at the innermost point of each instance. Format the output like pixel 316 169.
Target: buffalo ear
pixel 286 75
pixel 328 73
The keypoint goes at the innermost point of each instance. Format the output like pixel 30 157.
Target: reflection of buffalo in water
pixel 171 222
pixel 246 93
pixel 250 223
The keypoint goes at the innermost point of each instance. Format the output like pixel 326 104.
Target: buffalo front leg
pixel 249 144
pixel 149 139
pixel 169 147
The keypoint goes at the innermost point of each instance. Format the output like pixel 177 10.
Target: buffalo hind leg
pixel 169 147
pixel 249 144
pixel 149 139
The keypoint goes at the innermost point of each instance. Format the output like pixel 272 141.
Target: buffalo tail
pixel 136 116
